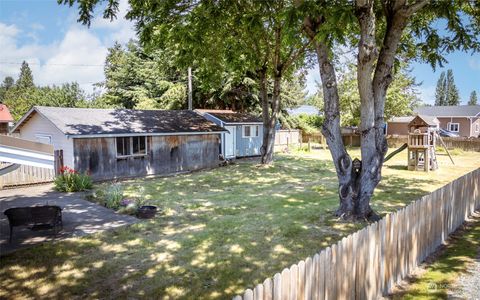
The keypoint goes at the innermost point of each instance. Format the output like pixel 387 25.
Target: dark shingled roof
pixel 89 121
pixel 449 111
pixel 228 116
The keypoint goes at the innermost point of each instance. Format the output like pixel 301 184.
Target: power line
pixel 48 64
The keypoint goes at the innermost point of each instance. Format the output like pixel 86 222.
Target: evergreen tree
pixel 25 80
pixel 6 85
pixel 441 90
pixel 453 97
pixel 473 98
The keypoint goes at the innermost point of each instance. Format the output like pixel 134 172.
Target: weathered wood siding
pixel 166 155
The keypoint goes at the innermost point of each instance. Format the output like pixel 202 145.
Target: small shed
pixel 115 143
pixel 244 134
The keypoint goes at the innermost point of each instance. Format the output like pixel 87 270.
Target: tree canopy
pixel 21 95
pixel 270 39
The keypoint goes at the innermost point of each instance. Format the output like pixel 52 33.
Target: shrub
pixel 70 180
pixel 114 196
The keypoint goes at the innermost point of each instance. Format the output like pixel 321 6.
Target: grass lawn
pixel 222 231
pixel 453 260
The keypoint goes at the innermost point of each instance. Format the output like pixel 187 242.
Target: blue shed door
pixel 230 141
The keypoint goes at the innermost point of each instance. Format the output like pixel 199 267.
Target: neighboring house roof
pixel 231 117
pixel 5 115
pixel 449 111
pixel 304 110
pixel 407 119
pixel 89 121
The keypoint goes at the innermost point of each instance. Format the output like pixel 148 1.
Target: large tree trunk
pixel 358 179
pixel 270 113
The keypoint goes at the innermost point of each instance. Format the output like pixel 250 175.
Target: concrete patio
pixel 80 217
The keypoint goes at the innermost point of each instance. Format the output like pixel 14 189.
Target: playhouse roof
pixel 422 120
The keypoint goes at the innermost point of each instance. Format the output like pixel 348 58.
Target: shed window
pixel 454 127
pixel 250 131
pixel 131 146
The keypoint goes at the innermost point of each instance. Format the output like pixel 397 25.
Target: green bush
pixel 70 180
pixel 113 196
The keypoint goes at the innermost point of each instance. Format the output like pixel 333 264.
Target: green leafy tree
pixel 265 38
pixel 135 79
pixel 452 94
pixel 441 91
pixel 24 94
pixel 384 32
pixel 7 84
pixel 473 98
pixel 401 98
pixel 261 38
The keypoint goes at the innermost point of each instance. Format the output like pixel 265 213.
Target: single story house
pixel 115 143
pixel 308 110
pixel 245 132
pixel 5 119
pixel 462 119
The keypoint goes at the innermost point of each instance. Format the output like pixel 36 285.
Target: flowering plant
pixel 70 180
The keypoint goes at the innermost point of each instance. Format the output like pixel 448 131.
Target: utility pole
pixel 190 105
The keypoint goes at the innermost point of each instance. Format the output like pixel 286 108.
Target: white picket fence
pixel 368 263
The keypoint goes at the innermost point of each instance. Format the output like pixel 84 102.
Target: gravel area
pixel 468 284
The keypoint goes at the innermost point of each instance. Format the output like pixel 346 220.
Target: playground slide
pixel 403 147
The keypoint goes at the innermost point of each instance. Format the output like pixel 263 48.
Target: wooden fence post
pixel 58 161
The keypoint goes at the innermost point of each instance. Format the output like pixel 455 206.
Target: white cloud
pixel 427 94
pixel 78 56
pixel 474 64
pixel 121 30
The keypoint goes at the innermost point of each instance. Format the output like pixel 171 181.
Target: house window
pixel 477 127
pixel 453 127
pixel 250 131
pixel 131 146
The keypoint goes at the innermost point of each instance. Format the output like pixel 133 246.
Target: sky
pixel 59 50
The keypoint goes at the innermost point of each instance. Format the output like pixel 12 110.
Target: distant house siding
pixel 464 123
pixel 248 146
pixel 40 126
pixel 165 155
pixel 475 131
pixel 397 128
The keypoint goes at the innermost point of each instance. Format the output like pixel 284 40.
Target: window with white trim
pixel 453 127
pixel 250 131
pixel 131 146
pixel 477 127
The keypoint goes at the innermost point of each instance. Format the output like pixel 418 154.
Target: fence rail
pixel 368 263
pixel 26 175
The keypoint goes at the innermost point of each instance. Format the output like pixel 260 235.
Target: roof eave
pixel 111 135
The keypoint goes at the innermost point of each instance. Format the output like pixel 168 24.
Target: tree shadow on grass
pixel 224 230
